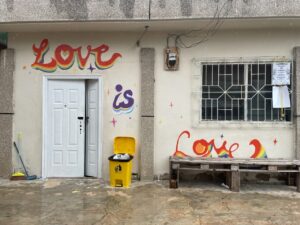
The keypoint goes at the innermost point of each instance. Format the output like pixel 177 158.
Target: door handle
pixel 80 117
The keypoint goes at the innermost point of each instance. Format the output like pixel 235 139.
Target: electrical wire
pixel 206 32
pixel 142 35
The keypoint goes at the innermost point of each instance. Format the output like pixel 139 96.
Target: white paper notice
pixel 281 97
pixel 281 73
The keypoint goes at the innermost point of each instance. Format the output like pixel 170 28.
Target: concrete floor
pixel 88 201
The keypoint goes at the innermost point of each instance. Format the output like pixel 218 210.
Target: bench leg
pixel 228 179
pixel 291 181
pixel 298 180
pixel 234 178
pixel 174 176
pixel 170 174
pixel 177 176
pixel 235 181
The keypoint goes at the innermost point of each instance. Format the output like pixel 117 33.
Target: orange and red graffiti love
pixel 204 148
pixel 65 55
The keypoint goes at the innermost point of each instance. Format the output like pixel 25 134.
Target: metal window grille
pixel 239 91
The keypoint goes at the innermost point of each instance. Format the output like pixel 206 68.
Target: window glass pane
pixel 269 74
pixel 209 75
pixel 268 109
pixel 222 69
pixel 228 114
pixel 215 75
pixel 221 114
pixel 254 68
pixel 222 82
pixel 221 102
pixel 241 74
pixel 228 81
pixel 288 115
pixel 215 110
pixel 228 69
pixel 262 68
pixel 235 74
pixel 235 110
pixel 203 109
pixel 208 109
pixel 204 75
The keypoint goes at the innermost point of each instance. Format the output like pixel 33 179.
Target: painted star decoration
pixel 222 136
pixel 113 122
pixel 91 68
pixel 275 141
pixel 171 105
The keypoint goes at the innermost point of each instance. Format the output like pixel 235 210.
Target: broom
pixel 33 177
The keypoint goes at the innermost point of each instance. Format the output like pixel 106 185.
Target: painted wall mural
pixel 65 56
pixel 204 148
pixel 123 102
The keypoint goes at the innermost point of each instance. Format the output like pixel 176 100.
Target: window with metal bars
pixel 239 91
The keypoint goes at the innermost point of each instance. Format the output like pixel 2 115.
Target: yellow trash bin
pixel 119 166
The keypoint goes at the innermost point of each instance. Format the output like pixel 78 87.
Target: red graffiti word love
pixel 64 57
pixel 204 148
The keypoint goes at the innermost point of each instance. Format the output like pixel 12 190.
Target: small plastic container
pixel 120 169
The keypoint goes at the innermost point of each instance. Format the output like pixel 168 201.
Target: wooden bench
pixel 232 168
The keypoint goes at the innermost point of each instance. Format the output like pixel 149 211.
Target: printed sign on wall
pixel 65 56
pixel 281 74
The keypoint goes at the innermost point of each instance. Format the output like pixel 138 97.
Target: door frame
pixel 46 79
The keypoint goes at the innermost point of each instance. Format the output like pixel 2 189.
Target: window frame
pixel 196 86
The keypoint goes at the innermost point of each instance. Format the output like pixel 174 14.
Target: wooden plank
pixel 228 179
pixel 234 167
pixel 235 181
pixel 234 178
pixel 175 166
pixel 204 166
pixel 173 184
pixel 291 181
pixel 267 171
pixel 238 160
pixel 272 168
pixel 171 181
pixel 177 176
pixel 208 170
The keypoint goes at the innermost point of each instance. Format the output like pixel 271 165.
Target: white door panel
pixel 92 128
pixel 65 132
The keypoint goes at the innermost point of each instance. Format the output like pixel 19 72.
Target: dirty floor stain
pixel 89 201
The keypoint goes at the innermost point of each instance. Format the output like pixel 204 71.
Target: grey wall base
pixel 6 110
pixel 147 56
pixel 5 145
pixel 147 148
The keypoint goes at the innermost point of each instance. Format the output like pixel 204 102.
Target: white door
pixel 65 128
pixel 92 112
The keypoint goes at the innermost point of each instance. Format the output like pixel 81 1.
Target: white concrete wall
pixel 170 87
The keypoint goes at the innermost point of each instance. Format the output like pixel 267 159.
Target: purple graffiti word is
pixel 123 101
